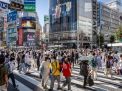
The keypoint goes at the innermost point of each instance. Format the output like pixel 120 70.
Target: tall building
pixel 46 28
pixel 108 20
pixel 70 22
pixel 115 4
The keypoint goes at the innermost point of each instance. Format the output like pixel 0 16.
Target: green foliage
pixel 118 33
pixel 112 39
pixel 100 40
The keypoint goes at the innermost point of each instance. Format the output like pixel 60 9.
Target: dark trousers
pixel 18 63
pixel 53 81
pixel 67 82
pixel 11 75
pixel 85 81
pixel 38 64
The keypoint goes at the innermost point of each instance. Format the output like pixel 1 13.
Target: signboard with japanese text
pixel 12 16
pixel 16 6
pixel 3 5
pixel 30 5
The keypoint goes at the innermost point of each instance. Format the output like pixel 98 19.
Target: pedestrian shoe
pixel 59 88
pixel 50 89
pixel 45 87
pixel 62 88
pixel 69 90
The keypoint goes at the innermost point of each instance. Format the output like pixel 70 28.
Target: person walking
pixel 84 70
pixel 38 60
pixel 109 66
pixel 94 65
pixel 22 63
pixel 3 75
pixel 66 70
pixel 27 61
pixel 55 73
pixel 45 71
pixel 10 67
pixel 119 66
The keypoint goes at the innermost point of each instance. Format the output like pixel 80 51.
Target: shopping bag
pixel 90 81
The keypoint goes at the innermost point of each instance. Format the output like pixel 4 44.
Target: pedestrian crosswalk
pixel 32 82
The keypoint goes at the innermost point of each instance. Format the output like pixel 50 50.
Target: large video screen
pixel 28 24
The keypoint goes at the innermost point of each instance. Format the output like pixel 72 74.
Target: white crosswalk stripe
pixel 101 84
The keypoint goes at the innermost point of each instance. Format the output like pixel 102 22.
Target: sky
pixel 42 7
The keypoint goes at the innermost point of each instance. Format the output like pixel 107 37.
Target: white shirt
pixel 120 64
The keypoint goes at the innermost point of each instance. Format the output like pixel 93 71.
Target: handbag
pixel 90 81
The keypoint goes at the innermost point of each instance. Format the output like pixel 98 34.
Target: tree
pixel 118 34
pixel 100 40
pixel 112 39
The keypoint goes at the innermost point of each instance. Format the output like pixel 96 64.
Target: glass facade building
pixel 70 21
pixel 63 15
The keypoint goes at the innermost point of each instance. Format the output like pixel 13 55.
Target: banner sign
pixel 29 18
pixel 29 8
pixel 46 19
pixel 3 5
pixel 30 5
pixel 1 24
pixel 20 37
pixel 12 16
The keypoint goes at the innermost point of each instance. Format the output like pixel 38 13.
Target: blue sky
pixel 42 9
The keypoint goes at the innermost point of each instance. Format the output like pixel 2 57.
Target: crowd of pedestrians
pixel 52 65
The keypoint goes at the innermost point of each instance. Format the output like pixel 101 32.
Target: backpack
pixel 115 59
pixel 83 69
pixel 7 65
pixel 108 64
pixel 94 62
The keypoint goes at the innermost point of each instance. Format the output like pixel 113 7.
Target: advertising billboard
pixel 20 37
pixel 28 24
pixel 29 38
pixel 30 5
pixel 12 16
pixel 12 36
pixel 16 6
pixel 46 19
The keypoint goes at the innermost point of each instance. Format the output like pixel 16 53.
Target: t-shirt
pixel 3 72
pixel 55 68
pixel 66 69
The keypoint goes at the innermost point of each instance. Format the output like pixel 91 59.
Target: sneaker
pixel 45 87
pixel 62 88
